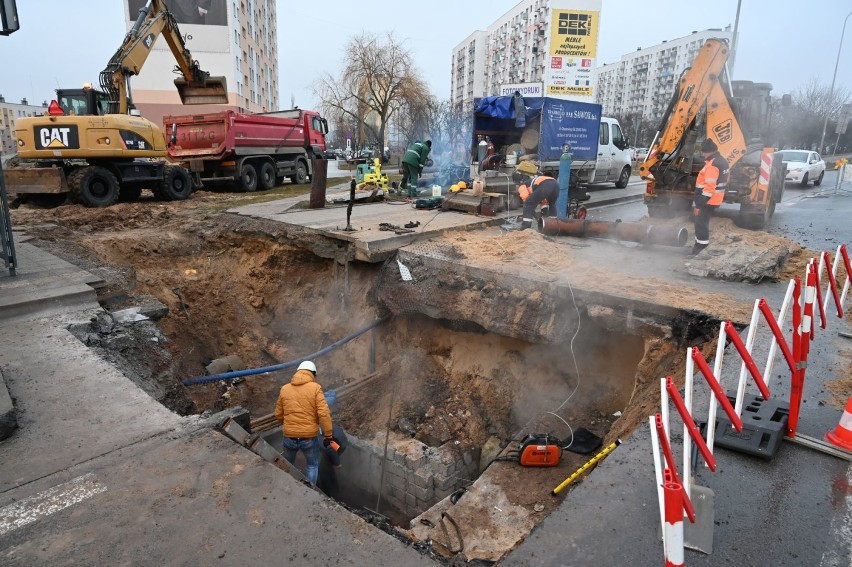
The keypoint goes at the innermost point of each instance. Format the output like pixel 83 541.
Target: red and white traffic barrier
pixel 804 297
pixel 673 526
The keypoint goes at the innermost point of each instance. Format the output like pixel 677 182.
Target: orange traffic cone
pixel 842 435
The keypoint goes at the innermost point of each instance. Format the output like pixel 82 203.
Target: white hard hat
pixel 308 365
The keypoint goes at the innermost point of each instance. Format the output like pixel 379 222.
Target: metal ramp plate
pixel 764 427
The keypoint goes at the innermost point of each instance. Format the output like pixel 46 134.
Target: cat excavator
pixel 94 145
pixel 703 106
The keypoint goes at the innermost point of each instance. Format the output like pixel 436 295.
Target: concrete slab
pixel 44 285
pixel 72 405
pixel 370 243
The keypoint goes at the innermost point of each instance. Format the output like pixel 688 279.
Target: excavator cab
pixel 83 102
pixel 212 90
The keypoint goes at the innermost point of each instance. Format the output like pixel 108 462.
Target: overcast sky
pixel 783 42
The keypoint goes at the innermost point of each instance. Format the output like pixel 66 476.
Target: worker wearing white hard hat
pixel 302 410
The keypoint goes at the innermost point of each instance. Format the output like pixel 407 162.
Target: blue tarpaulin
pixel 558 122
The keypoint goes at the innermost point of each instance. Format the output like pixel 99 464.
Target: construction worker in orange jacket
pixel 302 409
pixel 709 192
pixel 535 190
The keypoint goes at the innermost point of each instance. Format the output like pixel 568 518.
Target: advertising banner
pixel 569 122
pixel 526 89
pixel 196 12
pixel 572 53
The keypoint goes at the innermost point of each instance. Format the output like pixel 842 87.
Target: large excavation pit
pixel 474 355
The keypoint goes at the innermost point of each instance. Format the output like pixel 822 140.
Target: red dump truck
pixel 251 151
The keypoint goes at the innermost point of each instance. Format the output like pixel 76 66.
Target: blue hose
pixel 283 365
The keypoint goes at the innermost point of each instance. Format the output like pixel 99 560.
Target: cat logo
pixel 149 40
pixel 57 137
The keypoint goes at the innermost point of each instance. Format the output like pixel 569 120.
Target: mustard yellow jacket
pixel 302 408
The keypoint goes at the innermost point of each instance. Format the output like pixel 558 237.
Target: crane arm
pixel 195 87
pixel 699 85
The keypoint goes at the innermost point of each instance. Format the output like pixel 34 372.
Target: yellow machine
pixel 756 174
pixel 92 145
pixel 373 178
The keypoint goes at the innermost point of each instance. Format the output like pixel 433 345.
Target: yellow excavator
pixel 93 145
pixel 703 106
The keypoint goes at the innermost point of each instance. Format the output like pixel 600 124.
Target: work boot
pixel 696 249
pixel 525 225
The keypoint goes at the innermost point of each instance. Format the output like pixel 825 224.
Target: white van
pixel 614 159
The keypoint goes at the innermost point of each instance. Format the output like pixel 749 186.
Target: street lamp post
pixel 833 79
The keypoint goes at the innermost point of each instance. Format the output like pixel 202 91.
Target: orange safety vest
pixel 712 180
pixel 525 191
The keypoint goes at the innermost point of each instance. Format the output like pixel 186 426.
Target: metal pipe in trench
pixel 630 231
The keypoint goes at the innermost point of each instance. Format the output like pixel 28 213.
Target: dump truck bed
pixel 216 135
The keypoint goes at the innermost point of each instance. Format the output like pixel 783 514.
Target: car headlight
pixel 795 170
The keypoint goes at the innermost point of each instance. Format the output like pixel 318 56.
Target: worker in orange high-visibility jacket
pixel 709 193
pixel 535 190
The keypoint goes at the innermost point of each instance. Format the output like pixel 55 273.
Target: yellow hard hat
pixel 462 185
pixel 454 188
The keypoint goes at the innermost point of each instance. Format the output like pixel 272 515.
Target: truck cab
pixel 614 159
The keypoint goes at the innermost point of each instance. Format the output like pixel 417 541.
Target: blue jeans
pixel 310 448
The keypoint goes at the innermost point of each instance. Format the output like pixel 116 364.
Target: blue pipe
pixel 283 365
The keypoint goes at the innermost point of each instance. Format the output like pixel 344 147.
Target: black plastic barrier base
pixel 764 427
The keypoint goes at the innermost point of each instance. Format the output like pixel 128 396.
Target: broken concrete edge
pixel 648 317
pixel 8 414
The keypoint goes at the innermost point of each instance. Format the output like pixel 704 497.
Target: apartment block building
pixel 9 112
pixel 235 39
pixel 541 47
pixel 644 81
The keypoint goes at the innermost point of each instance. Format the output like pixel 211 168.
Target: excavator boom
pixel 194 87
pixel 702 107
pixel 694 90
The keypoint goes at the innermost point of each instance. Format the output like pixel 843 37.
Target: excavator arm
pixel 699 86
pixel 195 86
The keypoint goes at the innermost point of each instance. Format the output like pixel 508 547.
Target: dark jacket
pixel 416 155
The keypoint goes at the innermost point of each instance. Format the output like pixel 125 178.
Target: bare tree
pixel 820 100
pixel 377 81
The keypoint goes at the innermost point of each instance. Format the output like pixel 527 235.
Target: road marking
pixel 49 502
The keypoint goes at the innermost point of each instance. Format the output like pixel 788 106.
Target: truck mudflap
pixel 26 180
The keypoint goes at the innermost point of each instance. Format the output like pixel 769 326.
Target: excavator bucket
pixel 212 91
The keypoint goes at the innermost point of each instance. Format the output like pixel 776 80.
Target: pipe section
pixel 630 231
pixel 283 365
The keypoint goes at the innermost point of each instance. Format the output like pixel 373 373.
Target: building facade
pixel 9 112
pixel 235 39
pixel 550 45
pixel 643 82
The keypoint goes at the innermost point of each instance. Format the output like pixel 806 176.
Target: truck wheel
pixel 624 178
pixel 301 175
pixel 129 194
pixel 248 178
pixel 267 176
pixel 176 184
pixel 93 186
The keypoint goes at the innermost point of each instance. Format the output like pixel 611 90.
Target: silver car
pixel 803 166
